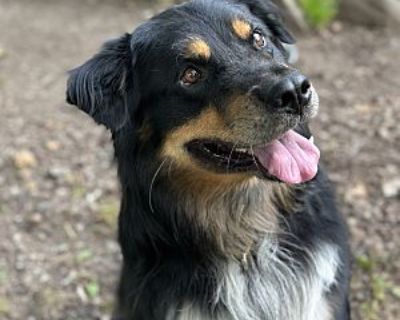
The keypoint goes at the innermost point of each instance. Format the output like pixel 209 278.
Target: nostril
pixel 305 87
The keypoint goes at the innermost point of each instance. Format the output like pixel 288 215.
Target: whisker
pixel 252 89
pixel 230 157
pixel 254 157
pixel 152 183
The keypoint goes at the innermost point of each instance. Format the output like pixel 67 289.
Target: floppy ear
pixel 270 14
pixel 104 86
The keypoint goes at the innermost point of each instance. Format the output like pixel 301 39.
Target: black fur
pixel 134 81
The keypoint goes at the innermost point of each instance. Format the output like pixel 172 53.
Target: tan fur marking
pixel 241 106
pixel 198 48
pixel 208 124
pixel 241 28
pixel 284 197
pixel 234 215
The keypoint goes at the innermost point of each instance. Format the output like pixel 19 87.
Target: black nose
pixel 291 94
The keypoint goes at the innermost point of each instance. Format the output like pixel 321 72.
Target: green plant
pixel 92 289
pixel 319 13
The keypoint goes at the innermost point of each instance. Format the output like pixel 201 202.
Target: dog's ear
pixel 270 14
pixel 105 86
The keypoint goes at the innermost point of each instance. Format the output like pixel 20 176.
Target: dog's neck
pixel 225 218
pixel 235 217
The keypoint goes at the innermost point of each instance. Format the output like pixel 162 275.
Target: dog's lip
pixel 222 155
pixel 228 157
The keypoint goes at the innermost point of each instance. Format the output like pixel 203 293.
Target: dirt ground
pixel 58 254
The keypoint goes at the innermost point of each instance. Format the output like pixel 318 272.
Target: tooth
pixel 311 139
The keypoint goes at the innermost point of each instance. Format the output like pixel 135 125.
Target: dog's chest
pixel 279 288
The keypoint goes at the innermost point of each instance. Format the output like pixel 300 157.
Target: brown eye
pixel 190 76
pixel 258 40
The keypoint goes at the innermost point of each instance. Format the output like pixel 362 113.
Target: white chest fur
pixel 279 288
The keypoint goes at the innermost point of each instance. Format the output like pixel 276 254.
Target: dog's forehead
pixel 196 26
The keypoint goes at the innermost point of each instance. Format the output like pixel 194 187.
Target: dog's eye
pixel 258 40
pixel 190 76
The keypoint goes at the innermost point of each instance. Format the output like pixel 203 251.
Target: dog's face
pixel 206 84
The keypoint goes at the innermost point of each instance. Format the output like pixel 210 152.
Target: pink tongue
pixel 291 158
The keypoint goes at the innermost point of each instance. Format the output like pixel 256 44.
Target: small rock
pixel 385 133
pixel 336 27
pixel 53 145
pixel 93 196
pixel 56 173
pixel 3 53
pixel 391 188
pixel 357 191
pixel 15 191
pixel 36 218
pixel 80 291
pixel 363 108
pixel 25 159
pixel 352 222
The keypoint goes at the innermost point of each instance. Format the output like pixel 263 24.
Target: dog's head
pixel 206 86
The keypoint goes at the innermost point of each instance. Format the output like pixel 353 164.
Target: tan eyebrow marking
pixel 241 28
pixel 198 48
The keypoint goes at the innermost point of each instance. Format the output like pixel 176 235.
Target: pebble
pixel 25 159
pixel 391 188
pixel 3 53
pixel 80 291
pixel 336 27
pixel 36 218
pixel 53 145
pixel 357 191
pixel 57 172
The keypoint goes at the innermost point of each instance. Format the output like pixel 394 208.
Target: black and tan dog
pixel 225 214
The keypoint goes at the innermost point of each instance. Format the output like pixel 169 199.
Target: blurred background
pixel 58 190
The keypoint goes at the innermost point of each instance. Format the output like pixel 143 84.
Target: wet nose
pixel 291 94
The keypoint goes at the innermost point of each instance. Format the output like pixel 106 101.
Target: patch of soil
pixel 58 254
pixel 357 76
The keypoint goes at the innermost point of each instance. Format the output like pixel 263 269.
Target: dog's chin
pixel 291 158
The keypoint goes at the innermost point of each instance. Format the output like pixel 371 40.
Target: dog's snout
pixel 290 94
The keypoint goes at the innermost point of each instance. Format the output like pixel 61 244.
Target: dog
pixel 226 213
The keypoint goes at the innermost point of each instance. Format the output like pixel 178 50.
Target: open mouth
pixel 291 158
